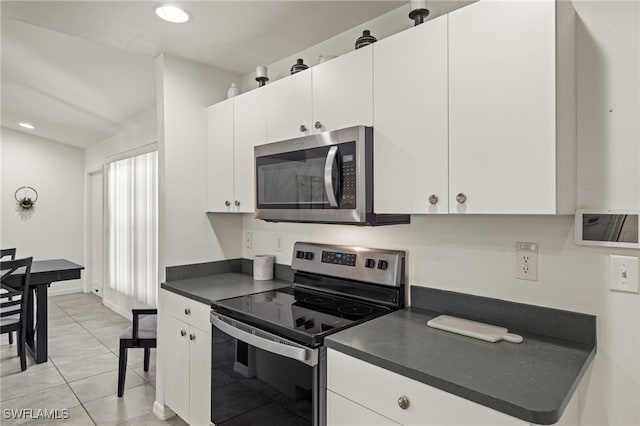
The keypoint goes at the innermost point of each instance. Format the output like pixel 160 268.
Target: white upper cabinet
pixel 410 120
pixel 343 91
pixel 288 106
pixel 250 129
pixel 220 166
pixel 512 108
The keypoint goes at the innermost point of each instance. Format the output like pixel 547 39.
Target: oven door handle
pixel 328 174
pixel 273 346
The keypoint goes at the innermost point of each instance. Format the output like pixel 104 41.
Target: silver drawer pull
pixel 403 402
pixel 461 198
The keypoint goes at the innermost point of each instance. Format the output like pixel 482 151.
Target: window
pixel 132 220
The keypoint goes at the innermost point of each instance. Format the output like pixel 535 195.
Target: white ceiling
pixel 78 69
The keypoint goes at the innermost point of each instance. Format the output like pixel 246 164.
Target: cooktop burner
pixel 302 314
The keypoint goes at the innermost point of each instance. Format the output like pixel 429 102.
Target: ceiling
pixel 78 69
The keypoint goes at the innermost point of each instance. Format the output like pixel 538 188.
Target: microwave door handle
pixel 328 173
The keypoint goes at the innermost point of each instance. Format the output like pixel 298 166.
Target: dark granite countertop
pixel 211 288
pixel 533 380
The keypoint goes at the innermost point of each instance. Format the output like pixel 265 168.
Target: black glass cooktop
pixel 298 313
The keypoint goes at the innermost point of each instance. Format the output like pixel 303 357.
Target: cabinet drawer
pixel 379 390
pixel 342 412
pixel 187 310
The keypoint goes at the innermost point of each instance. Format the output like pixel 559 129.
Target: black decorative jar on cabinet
pixel 365 39
pixel 298 66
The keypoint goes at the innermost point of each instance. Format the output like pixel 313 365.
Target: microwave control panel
pixel 349 181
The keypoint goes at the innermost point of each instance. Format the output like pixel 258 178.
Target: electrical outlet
pixel 248 240
pixel 527 261
pixel 279 242
pixel 623 273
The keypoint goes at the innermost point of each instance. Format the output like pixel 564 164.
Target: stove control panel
pixel 339 258
pixel 377 266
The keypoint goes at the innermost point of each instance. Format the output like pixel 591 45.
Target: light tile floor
pixel 82 372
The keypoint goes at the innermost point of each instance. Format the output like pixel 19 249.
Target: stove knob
pixel 383 264
pixel 308 255
pixel 300 254
pixel 370 263
pixel 299 321
pixel 308 324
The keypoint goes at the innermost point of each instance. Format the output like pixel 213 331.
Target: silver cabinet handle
pixel 227 203
pixel 303 128
pixel 403 402
pixel 328 172
pixel 237 203
pixel 433 199
pixel 187 311
pixel 192 336
pixel 461 198
pixel 183 333
pixel 317 125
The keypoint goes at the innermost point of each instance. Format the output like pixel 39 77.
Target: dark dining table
pixel 43 273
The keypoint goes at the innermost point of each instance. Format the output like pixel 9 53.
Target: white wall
pixel 55 230
pixel 475 254
pixel 188 234
pixel 136 132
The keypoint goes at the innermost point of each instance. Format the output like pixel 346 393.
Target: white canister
pixel 263 267
pixel 233 91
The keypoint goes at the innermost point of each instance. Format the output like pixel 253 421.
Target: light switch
pixel 623 273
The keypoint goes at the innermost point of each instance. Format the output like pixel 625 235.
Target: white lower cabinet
pixel 379 392
pixel 187 350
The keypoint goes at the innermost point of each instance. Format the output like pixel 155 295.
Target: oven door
pixel 318 178
pixel 259 378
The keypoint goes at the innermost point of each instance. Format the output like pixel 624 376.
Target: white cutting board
pixel 478 330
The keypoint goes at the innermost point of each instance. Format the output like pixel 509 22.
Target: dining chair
pixel 11 252
pixel 15 278
pixel 8 252
pixel 142 334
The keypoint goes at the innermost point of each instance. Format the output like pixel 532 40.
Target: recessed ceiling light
pixel 26 125
pixel 172 14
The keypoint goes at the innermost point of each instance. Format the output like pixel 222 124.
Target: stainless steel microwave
pixel 321 178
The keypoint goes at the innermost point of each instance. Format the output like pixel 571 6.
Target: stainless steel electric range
pixel 268 354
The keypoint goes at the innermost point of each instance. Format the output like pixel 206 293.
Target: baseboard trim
pixel 161 411
pixel 117 309
pixel 62 291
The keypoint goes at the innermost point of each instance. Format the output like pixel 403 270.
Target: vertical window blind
pixel 132 227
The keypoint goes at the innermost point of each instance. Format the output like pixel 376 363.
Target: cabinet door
pixel 502 93
pixel 343 412
pixel 410 120
pixel 289 107
pixel 200 377
pixel 250 129
pixel 220 147
pixel 176 349
pixel 343 91
pixel 360 382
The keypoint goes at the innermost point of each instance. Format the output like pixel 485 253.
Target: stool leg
pixel 147 355
pixel 122 367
